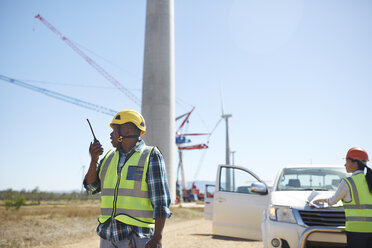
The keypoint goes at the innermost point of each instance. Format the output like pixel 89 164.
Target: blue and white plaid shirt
pixel 158 191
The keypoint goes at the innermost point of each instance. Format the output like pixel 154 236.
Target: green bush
pixel 15 202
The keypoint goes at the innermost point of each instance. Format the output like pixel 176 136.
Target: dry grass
pixel 47 225
pixel 186 213
pixel 53 225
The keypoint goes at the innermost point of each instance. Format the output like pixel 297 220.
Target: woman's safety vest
pixel 358 211
pixel 124 195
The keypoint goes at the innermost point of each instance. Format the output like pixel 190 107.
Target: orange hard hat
pixel 357 153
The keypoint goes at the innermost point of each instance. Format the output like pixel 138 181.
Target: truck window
pixel 209 190
pixel 310 178
pixel 236 180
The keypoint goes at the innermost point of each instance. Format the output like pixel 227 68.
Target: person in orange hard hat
pixel 133 183
pixel 356 195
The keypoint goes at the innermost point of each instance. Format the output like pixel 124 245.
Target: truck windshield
pixel 316 178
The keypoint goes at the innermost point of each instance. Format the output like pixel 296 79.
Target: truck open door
pixel 238 205
pixel 208 201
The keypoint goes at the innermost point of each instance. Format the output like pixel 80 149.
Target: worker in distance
pixel 356 195
pixel 133 183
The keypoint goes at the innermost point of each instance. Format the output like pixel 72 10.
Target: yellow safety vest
pixel 124 195
pixel 358 211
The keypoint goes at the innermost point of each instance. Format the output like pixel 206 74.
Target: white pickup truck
pixel 243 206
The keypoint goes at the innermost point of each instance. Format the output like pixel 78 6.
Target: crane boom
pixel 60 96
pixel 90 61
pixel 185 120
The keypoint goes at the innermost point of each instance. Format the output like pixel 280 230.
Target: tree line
pixel 15 199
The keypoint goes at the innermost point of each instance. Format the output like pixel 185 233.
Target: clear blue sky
pixel 296 76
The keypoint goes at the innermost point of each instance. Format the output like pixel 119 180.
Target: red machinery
pixel 187 194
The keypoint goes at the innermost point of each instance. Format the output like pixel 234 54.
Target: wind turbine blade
pixel 222 107
pixel 218 122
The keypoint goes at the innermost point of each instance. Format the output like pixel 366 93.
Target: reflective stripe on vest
pixel 105 164
pixel 360 206
pixel 125 196
pixel 131 212
pixel 359 219
pixel 126 192
pixel 358 211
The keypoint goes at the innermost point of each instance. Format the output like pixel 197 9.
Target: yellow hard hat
pixel 129 115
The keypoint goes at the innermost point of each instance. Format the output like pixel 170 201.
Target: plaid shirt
pixel 156 179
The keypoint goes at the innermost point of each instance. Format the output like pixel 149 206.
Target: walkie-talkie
pixel 95 139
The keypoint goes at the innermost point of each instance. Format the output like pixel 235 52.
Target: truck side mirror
pixel 259 188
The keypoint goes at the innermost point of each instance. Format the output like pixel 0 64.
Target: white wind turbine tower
pixel 158 88
pixel 226 117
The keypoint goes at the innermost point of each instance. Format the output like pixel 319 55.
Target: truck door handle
pixel 221 199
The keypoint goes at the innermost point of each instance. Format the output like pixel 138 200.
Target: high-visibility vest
pixel 358 211
pixel 124 195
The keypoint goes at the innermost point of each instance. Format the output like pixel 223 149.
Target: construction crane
pixel 180 141
pixel 60 96
pixel 90 61
pixel 181 138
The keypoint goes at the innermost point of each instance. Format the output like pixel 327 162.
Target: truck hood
pixel 298 199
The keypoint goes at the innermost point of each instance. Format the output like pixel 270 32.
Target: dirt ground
pixel 189 233
pixel 73 224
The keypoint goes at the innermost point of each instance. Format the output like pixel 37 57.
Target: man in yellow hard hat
pixel 133 184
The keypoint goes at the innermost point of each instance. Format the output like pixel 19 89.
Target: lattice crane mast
pixel 90 61
pixel 60 96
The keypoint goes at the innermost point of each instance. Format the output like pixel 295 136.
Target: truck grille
pixel 323 218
